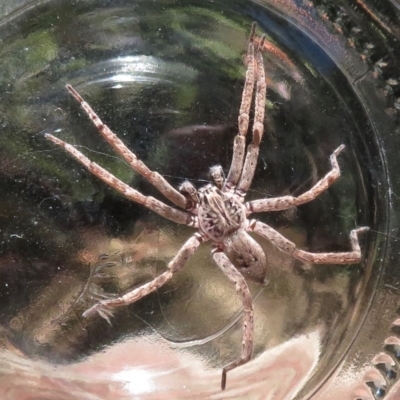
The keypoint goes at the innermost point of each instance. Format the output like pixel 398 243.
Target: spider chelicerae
pixel 218 211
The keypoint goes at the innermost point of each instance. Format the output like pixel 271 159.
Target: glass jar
pixel 167 78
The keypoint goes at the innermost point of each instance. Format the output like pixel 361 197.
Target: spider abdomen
pixel 246 255
pixel 220 214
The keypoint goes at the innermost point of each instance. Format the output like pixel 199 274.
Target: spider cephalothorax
pixel 220 214
pixel 218 211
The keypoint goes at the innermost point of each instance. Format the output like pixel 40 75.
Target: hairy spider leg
pixel 248 310
pixel 239 144
pixel 178 216
pixel 253 148
pixel 139 166
pixel 285 202
pixel 175 265
pixel 285 245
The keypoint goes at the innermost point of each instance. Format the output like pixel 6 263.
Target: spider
pixel 218 211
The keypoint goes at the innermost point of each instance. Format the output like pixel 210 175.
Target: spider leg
pixel 239 144
pixel 285 202
pixel 253 149
pixel 349 257
pixel 153 177
pixel 248 325
pixel 175 265
pixel 178 216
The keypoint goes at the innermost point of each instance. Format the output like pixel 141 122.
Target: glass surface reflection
pixel 167 78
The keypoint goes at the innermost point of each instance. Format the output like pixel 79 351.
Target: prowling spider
pixel 218 211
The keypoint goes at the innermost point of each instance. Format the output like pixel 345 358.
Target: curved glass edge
pixel 382 313
pixel 368 367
